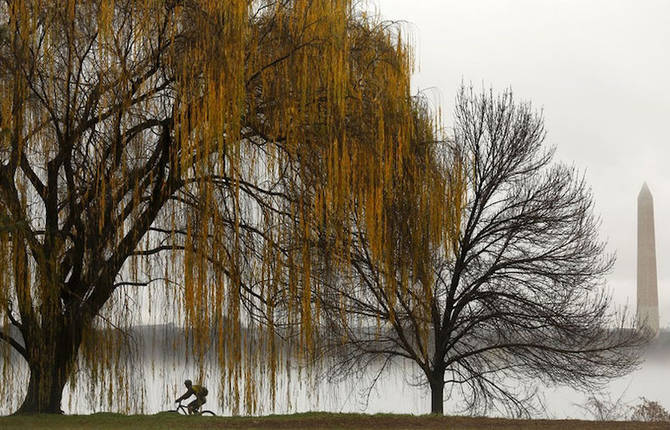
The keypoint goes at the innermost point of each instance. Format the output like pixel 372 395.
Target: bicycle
pixel 183 410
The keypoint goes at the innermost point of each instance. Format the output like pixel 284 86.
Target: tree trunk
pixel 45 390
pixel 51 358
pixel 437 393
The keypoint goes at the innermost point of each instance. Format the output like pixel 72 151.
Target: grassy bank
pixel 306 421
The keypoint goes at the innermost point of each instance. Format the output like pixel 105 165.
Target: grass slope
pixel 315 420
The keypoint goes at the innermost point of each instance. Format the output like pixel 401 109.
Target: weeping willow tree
pixel 189 146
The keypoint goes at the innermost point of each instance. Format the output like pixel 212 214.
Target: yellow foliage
pixel 225 133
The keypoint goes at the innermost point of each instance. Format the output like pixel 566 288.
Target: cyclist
pixel 200 393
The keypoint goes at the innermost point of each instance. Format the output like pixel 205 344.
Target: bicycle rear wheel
pixel 208 414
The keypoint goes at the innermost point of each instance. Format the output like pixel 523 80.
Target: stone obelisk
pixel 647 287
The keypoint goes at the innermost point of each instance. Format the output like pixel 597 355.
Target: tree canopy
pixel 194 146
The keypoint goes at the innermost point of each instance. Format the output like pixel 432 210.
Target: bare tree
pixel 603 407
pixel 649 411
pixel 515 293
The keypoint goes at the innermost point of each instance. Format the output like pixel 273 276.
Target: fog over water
pixel 158 374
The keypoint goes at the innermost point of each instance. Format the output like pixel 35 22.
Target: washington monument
pixel 647 288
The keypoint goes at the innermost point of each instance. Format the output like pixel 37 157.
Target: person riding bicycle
pixel 200 393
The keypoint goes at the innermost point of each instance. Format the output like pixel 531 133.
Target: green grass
pixel 314 420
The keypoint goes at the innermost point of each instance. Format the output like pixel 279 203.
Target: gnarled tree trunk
pixel 51 355
pixel 45 390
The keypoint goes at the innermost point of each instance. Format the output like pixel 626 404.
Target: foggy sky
pixel 599 70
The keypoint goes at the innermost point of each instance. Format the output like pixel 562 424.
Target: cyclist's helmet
pixel 188 382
